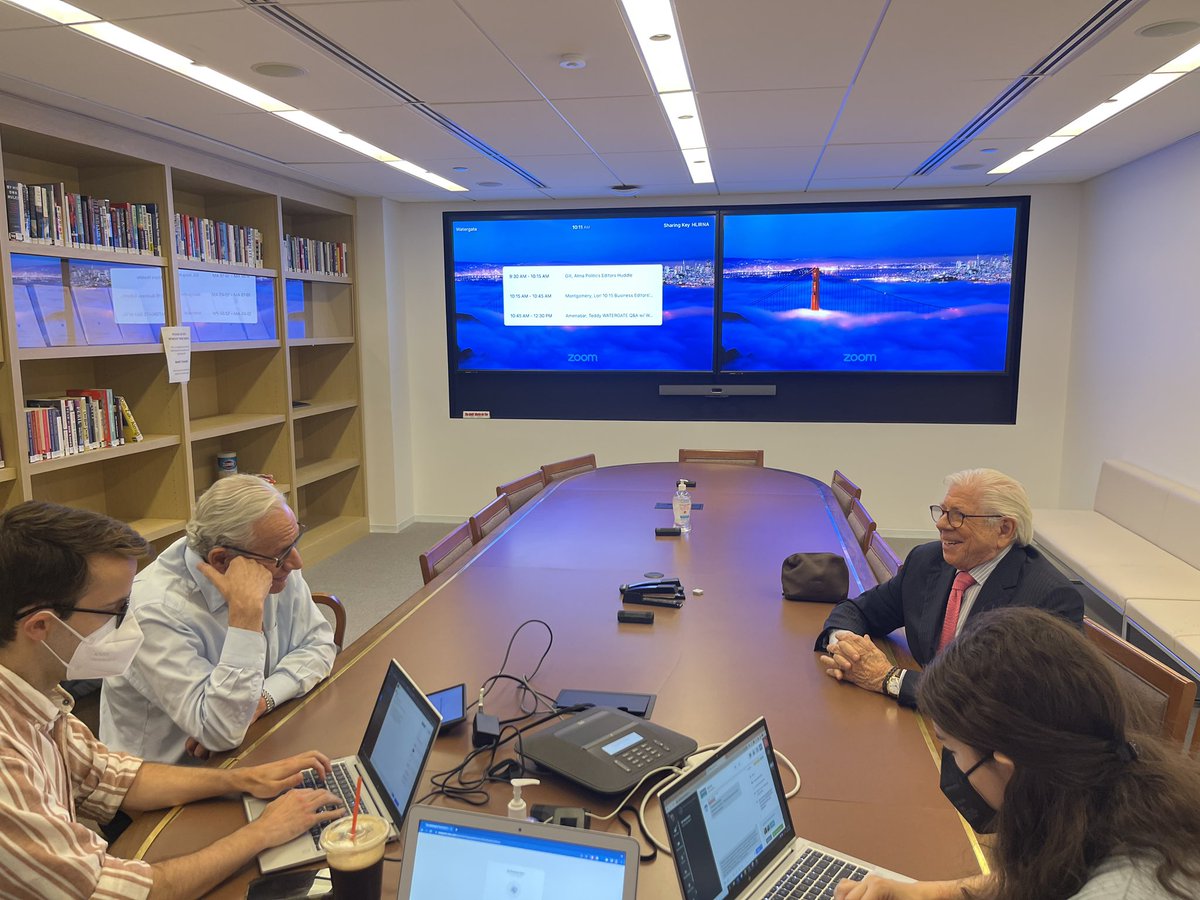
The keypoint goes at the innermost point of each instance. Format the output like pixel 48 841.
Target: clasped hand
pixel 855 658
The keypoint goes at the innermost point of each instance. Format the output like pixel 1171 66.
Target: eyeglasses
pixel 956 518
pixel 276 561
pixel 119 613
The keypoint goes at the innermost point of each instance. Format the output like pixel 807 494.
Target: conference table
pixel 869 780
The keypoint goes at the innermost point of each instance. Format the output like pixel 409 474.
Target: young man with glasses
pixel 230 628
pixel 65 577
pixel 983 560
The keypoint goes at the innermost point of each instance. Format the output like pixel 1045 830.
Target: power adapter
pixel 570 816
pixel 485 730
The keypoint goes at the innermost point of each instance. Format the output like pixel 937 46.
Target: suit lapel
pixel 1000 585
pixel 929 624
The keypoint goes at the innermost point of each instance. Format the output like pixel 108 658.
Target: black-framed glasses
pixel 956 518
pixel 119 613
pixel 276 561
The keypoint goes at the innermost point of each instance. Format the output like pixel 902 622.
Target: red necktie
pixel 962 581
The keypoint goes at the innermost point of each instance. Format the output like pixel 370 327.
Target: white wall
pixel 456 464
pixel 1135 363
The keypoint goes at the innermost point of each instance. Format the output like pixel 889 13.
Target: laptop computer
pixel 452 854
pixel 731 832
pixel 390 759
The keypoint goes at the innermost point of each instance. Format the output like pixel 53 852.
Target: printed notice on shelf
pixel 217 297
pixel 583 295
pixel 177 344
pixel 137 295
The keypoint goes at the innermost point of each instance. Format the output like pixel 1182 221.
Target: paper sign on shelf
pixel 177 345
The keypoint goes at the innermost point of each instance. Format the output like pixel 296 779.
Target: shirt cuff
pixel 282 687
pixel 244 649
pixel 129 879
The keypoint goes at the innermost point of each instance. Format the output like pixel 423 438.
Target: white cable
pixel 625 799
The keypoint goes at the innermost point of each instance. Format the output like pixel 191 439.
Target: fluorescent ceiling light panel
pixel 1185 62
pixel 685 119
pixel 417 172
pixel 118 37
pixel 311 123
pixel 664 58
pixel 1145 86
pixel 698 167
pixel 234 88
pixel 55 11
pixel 1090 119
pixel 1045 145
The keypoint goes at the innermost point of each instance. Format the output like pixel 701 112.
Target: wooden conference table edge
pixel 138 840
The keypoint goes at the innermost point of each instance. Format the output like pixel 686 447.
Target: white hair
pixel 1000 495
pixel 227 513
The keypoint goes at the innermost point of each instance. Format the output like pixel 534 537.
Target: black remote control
pixel 674 531
pixel 635 617
pixel 644 600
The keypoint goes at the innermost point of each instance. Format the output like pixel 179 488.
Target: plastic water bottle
pixel 681 503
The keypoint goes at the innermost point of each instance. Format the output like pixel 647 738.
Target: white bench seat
pixel 1173 623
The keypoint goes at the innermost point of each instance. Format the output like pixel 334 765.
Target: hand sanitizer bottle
pixel 681 503
pixel 517 807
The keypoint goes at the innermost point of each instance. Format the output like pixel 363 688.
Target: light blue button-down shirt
pixel 197 677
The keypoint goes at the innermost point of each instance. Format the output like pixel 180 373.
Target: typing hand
pixel 856 659
pixel 196 750
pixel 272 779
pixel 295 813
pixel 875 888
pixel 244 585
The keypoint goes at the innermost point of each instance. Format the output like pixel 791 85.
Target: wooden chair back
pixel 566 468
pixel 519 491
pixel 861 523
pixel 882 559
pixel 844 490
pixel 332 603
pixel 734 457
pixel 438 558
pixel 489 518
pixel 1163 696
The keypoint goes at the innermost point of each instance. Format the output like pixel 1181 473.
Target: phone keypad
pixel 643 755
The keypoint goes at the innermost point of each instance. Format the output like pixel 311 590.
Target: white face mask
pixel 105 653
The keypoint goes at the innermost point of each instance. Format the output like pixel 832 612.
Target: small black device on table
pixel 664 592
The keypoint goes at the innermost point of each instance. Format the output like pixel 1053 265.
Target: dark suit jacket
pixel 916 601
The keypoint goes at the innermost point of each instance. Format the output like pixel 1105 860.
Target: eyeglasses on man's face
pixel 955 518
pixel 276 561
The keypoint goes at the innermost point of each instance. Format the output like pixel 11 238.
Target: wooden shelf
pixel 216 346
pixel 197 265
pixel 153 529
pixel 307 473
pixel 320 342
pixel 8 473
pixel 324 538
pixel 65 252
pixel 320 409
pixel 215 426
pixel 79 351
pixel 151 442
pixel 313 276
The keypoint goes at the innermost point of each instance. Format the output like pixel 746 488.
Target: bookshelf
pixel 275 365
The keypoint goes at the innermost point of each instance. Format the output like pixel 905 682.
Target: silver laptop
pixel 731 833
pixel 452 854
pixel 390 759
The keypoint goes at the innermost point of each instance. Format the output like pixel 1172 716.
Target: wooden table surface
pixel 869 778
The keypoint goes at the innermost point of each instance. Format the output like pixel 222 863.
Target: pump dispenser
pixel 517 807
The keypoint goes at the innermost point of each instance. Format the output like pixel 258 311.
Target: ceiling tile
pixel 515 128
pixel 769 118
pixel 620 124
pixel 872 160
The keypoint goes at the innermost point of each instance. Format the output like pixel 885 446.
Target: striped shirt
pixel 51 770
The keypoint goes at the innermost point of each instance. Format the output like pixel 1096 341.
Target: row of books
pixel 82 420
pixel 306 256
pixel 220 242
pixel 50 214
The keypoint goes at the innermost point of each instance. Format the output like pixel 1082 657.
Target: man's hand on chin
pixel 855 658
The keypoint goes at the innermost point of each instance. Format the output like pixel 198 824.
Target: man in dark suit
pixel 982 561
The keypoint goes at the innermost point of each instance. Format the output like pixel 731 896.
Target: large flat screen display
pixel 607 293
pixel 874 290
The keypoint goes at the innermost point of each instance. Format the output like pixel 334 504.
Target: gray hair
pixel 1000 495
pixel 228 511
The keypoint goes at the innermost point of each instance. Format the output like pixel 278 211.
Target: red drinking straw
pixel 357 799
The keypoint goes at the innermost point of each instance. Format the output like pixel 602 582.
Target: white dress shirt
pixel 197 677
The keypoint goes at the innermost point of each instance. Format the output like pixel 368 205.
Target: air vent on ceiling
pixel 1101 23
pixel 301 29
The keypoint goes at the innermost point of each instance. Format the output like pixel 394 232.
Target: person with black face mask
pixel 1042 748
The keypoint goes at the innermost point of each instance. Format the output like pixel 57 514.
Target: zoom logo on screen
pixel 583 358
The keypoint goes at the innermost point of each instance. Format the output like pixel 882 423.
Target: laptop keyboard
pixel 813 877
pixel 342 782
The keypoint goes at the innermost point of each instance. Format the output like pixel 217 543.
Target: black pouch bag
pixel 815 577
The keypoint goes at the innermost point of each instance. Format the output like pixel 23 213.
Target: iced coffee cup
pixel 356 859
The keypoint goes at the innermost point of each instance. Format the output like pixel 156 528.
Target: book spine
pixel 127 414
pixel 12 202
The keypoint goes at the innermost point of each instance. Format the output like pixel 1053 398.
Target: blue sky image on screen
pixel 509 274
pixel 898 290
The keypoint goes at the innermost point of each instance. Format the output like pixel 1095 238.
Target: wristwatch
pixel 891 684
pixel 266 695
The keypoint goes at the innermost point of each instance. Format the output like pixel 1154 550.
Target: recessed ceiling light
pixel 626 188
pixel 460 169
pixel 687 116
pixel 1168 29
pixel 660 37
pixel 279 70
pixel 967 167
pixel 488 183
pixel 572 61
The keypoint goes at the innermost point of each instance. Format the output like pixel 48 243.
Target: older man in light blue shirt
pixel 230 629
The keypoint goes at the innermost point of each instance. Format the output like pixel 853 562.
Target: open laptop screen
pixel 398 740
pixel 459 862
pixel 728 819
